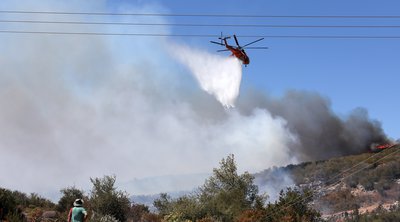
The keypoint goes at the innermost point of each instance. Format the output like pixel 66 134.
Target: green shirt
pixel 78 214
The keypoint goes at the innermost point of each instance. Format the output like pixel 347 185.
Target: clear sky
pixel 350 72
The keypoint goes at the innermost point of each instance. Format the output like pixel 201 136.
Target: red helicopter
pixel 237 51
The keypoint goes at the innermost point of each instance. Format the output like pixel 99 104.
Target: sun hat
pixel 78 203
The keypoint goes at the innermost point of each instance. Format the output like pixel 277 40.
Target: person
pixel 77 213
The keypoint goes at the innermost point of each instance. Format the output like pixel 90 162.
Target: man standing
pixel 77 213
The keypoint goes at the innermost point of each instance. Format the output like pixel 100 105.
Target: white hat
pixel 78 203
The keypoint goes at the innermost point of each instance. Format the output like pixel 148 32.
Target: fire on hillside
pixel 379 147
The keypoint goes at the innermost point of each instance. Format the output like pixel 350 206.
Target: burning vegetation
pixel 380 147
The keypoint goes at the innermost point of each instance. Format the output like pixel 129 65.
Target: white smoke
pixel 219 76
pixel 75 107
pixel 272 181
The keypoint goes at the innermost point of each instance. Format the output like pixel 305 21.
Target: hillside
pixel 362 182
pixel 341 189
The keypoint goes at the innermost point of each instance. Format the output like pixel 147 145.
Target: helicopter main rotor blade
pixel 222 50
pixel 237 42
pixel 217 43
pixel 257 48
pixel 252 42
pixel 226 37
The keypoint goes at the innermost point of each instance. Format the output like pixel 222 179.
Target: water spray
pixel 217 75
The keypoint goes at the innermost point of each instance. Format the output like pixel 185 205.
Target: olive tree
pixel 223 197
pixel 226 194
pixel 70 194
pixel 105 199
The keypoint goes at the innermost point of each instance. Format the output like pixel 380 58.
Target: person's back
pixel 77 213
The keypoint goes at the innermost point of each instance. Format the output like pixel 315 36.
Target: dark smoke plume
pixel 320 132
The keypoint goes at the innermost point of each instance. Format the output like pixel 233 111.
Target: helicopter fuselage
pixel 238 53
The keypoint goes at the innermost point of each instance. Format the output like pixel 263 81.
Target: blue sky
pixel 351 73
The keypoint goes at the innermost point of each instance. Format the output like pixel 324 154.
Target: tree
pixel 105 199
pixel 70 194
pixel 226 194
pixel 292 206
pixel 257 215
pixel 163 204
pixel 36 200
pixel 223 197
pixel 7 203
pixel 137 211
pixel 21 199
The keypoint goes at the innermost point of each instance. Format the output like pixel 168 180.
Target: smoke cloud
pixel 75 107
pixel 217 75
pixel 320 132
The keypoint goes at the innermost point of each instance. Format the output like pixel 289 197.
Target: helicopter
pixel 237 51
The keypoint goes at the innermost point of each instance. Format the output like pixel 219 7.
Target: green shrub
pixel 107 200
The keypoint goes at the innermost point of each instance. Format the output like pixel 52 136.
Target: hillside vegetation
pixel 362 182
pixel 363 187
